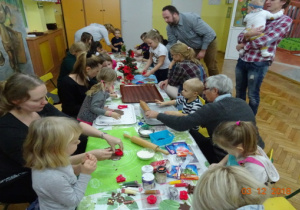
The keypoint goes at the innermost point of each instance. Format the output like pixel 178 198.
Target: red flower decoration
pixel 151 199
pixel 183 195
pixel 129 77
pixel 120 178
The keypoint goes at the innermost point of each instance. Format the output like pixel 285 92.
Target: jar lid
pixel 148 177
pixel 161 169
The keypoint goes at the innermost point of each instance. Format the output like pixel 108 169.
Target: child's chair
pixel 52 96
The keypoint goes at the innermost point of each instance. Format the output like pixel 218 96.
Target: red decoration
pixel 181 185
pixel 120 178
pixel 151 199
pixel 119 152
pixel 144 73
pixel 183 195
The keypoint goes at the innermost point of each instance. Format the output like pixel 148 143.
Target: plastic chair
pixel 52 96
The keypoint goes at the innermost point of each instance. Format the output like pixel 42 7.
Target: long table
pixel 103 192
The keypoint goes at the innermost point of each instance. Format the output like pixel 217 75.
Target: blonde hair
pixel 231 134
pixel 78 47
pixel 82 62
pixel 16 89
pixel 154 35
pixel 47 140
pixel 117 29
pixel 228 187
pixel 105 75
pixel 185 51
pixel 109 27
pixel 195 84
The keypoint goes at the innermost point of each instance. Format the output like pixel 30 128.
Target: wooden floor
pixel 278 120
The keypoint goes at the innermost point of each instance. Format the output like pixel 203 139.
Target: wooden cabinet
pixel 47 52
pixel 80 13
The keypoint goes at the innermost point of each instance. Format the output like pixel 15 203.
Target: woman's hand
pixel 151 114
pixel 101 154
pixel 113 141
pixel 163 84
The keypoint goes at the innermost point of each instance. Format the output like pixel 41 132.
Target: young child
pixel 256 18
pixel 186 67
pixel 144 47
pixel 93 104
pixel 239 139
pixel 158 55
pixel 117 41
pixel 110 63
pixel 229 187
pixel 47 149
pixel 192 88
pixel 96 48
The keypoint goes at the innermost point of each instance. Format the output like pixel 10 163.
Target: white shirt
pixel 160 50
pixel 98 32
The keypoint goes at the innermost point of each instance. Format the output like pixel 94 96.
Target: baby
pixel 256 18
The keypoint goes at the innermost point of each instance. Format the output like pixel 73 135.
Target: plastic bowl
pixel 145 154
pixel 161 138
pixel 145 131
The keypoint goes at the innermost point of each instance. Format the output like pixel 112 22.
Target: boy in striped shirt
pixel 192 89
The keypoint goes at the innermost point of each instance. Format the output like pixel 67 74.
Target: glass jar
pixel 161 174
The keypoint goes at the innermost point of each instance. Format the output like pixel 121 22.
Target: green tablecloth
pixel 104 178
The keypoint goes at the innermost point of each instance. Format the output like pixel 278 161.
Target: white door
pixel 236 27
pixel 136 18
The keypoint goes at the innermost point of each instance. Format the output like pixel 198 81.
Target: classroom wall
pixel 216 17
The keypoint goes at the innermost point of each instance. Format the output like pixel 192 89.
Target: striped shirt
pixel 189 108
pixel 274 32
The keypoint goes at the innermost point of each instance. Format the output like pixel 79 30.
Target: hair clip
pixel 238 123
pixel 188 48
pixel 102 81
pixel 154 29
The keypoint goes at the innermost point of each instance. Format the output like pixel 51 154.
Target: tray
pixel 127 119
pixel 135 93
pixel 155 107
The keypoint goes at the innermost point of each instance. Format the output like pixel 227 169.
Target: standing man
pixel 190 29
pixel 252 67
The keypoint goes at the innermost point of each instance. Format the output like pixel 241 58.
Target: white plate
pixel 126 119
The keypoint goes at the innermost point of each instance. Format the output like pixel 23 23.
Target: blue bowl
pixel 161 138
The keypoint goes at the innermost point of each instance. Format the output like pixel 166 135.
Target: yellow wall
pixel 215 16
pixel 157 19
pixel 38 17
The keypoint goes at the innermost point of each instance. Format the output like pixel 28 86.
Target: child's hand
pixel 91 157
pixel 89 166
pixel 102 154
pixel 115 115
pixel 160 103
pixel 147 74
pixel 114 95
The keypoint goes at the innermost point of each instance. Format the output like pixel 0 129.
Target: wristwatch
pixel 102 134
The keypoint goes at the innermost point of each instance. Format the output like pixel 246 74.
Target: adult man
pixel 252 66
pixel 190 29
pixel 98 32
pixel 223 108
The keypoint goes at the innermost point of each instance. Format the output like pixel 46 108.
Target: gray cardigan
pixel 93 106
pixel 59 188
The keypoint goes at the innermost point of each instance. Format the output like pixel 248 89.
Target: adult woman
pixel 22 102
pixel 222 188
pixel 72 88
pixel 187 67
pixel 70 59
pixel 98 32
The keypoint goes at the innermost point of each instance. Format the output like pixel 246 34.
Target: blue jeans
pixel 251 75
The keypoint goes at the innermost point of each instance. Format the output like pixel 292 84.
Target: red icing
pixel 151 199
pixel 120 178
pixel 181 185
pixel 119 152
pixel 183 195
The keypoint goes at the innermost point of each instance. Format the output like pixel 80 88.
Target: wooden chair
pixel 52 96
